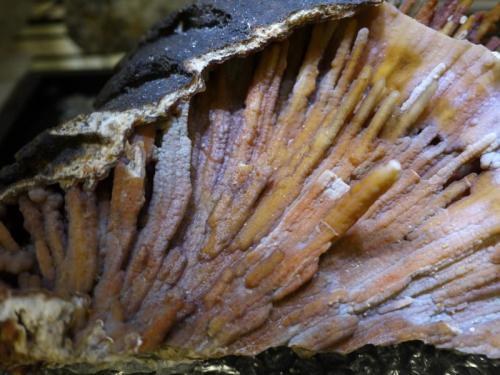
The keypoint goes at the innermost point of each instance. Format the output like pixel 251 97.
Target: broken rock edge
pixel 117 126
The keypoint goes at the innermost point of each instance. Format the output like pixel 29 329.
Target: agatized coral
pixel 338 188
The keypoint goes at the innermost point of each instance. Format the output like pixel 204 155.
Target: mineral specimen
pixel 300 177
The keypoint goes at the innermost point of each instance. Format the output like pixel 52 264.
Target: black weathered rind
pixel 46 151
pixel 157 67
pixel 167 66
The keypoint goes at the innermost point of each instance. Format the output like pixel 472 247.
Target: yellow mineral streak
pixel 80 266
pixel 305 84
pixel 287 186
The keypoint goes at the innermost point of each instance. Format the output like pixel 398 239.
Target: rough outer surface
pixel 420 263
pixel 162 65
pixel 167 66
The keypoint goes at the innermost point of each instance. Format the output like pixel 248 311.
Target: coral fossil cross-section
pixel 316 179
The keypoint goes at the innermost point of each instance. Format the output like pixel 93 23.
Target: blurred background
pixel 55 55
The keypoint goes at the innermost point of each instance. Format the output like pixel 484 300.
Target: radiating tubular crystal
pixel 338 188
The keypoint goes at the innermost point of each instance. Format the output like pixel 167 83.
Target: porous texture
pixel 161 72
pixel 339 188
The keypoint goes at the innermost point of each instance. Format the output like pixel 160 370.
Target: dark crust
pixel 45 152
pixel 156 68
